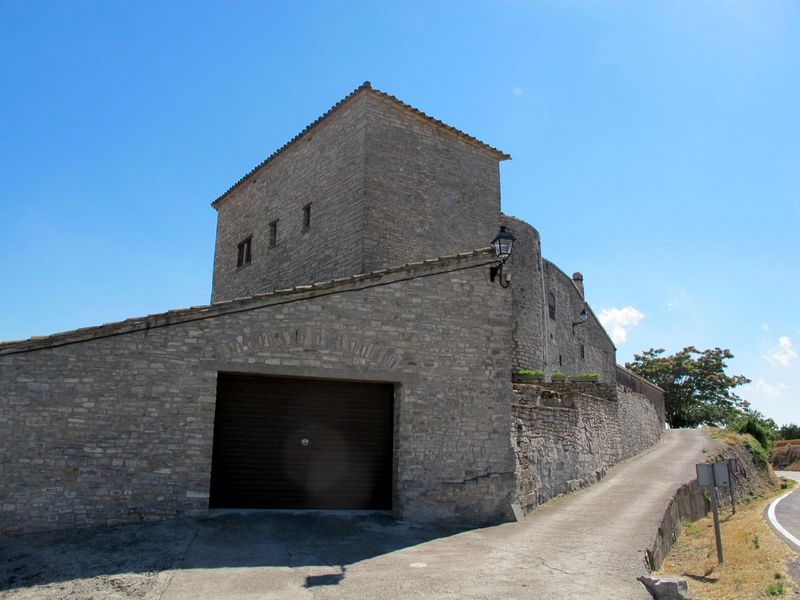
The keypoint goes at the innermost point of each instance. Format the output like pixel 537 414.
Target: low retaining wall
pixel 640 422
pixel 640 385
pixel 751 476
pixel 565 437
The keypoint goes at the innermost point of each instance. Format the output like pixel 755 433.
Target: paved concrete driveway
pixel 586 545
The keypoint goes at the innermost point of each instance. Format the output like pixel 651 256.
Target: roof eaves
pixel 499 154
pixel 366 86
pixel 182 315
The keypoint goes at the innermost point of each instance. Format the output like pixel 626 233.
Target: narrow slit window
pixel 307 217
pixel 273 234
pixel 583 352
pixel 244 252
pixel 551 305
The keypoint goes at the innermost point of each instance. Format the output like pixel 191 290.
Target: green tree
pixel 697 391
pixel 762 428
pixel 789 432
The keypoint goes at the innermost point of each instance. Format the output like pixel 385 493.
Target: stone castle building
pixel 356 354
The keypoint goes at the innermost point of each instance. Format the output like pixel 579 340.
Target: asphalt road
pixel 787 512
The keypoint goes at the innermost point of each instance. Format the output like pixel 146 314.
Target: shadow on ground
pixel 130 557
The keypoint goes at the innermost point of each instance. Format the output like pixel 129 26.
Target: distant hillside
pixel 785 456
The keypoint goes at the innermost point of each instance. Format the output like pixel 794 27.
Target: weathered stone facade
pixel 385 184
pixel 325 168
pixel 428 192
pixel 116 423
pixel 548 332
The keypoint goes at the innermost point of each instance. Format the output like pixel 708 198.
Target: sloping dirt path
pixel 590 544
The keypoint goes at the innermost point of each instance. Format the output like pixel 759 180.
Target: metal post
pixel 731 467
pixel 717 534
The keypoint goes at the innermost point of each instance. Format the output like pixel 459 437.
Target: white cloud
pixel 761 387
pixel 782 354
pixel 765 327
pixel 518 91
pixel 618 320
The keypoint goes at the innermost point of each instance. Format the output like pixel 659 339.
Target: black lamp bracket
pixel 496 272
pixel 584 318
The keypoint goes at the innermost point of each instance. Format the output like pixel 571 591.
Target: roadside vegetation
pixel 756 448
pixel 698 392
pixel 755 558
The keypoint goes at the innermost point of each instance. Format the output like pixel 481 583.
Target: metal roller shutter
pixel 301 443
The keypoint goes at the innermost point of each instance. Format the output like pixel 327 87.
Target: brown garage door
pixel 301 443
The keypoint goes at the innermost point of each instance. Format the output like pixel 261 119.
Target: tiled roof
pixel 195 313
pixel 367 86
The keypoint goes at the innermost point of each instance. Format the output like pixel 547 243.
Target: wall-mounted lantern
pixel 503 243
pixel 584 316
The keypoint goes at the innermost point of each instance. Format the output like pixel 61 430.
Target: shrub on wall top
pixel 586 377
pixel 557 376
pixel 529 373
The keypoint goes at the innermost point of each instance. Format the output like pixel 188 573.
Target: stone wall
pixel 564 341
pixel 640 424
pixel 325 168
pixel 640 385
pixel 541 341
pixel 386 185
pixel 567 435
pixel 389 185
pixel 114 423
pixel 427 192
pixel 525 269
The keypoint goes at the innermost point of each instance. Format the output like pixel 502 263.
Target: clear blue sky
pixel 656 148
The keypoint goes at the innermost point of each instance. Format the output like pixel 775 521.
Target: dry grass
pixel 755 558
pixel 780 443
pixel 727 436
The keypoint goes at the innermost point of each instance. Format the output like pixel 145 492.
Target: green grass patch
pixel 776 589
pixel 530 373
pixel 689 528
pixel 587 376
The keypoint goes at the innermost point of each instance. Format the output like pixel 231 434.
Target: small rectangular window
pixel 583 352
pixel 307 217
pixel 273 234
pixel 243 252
